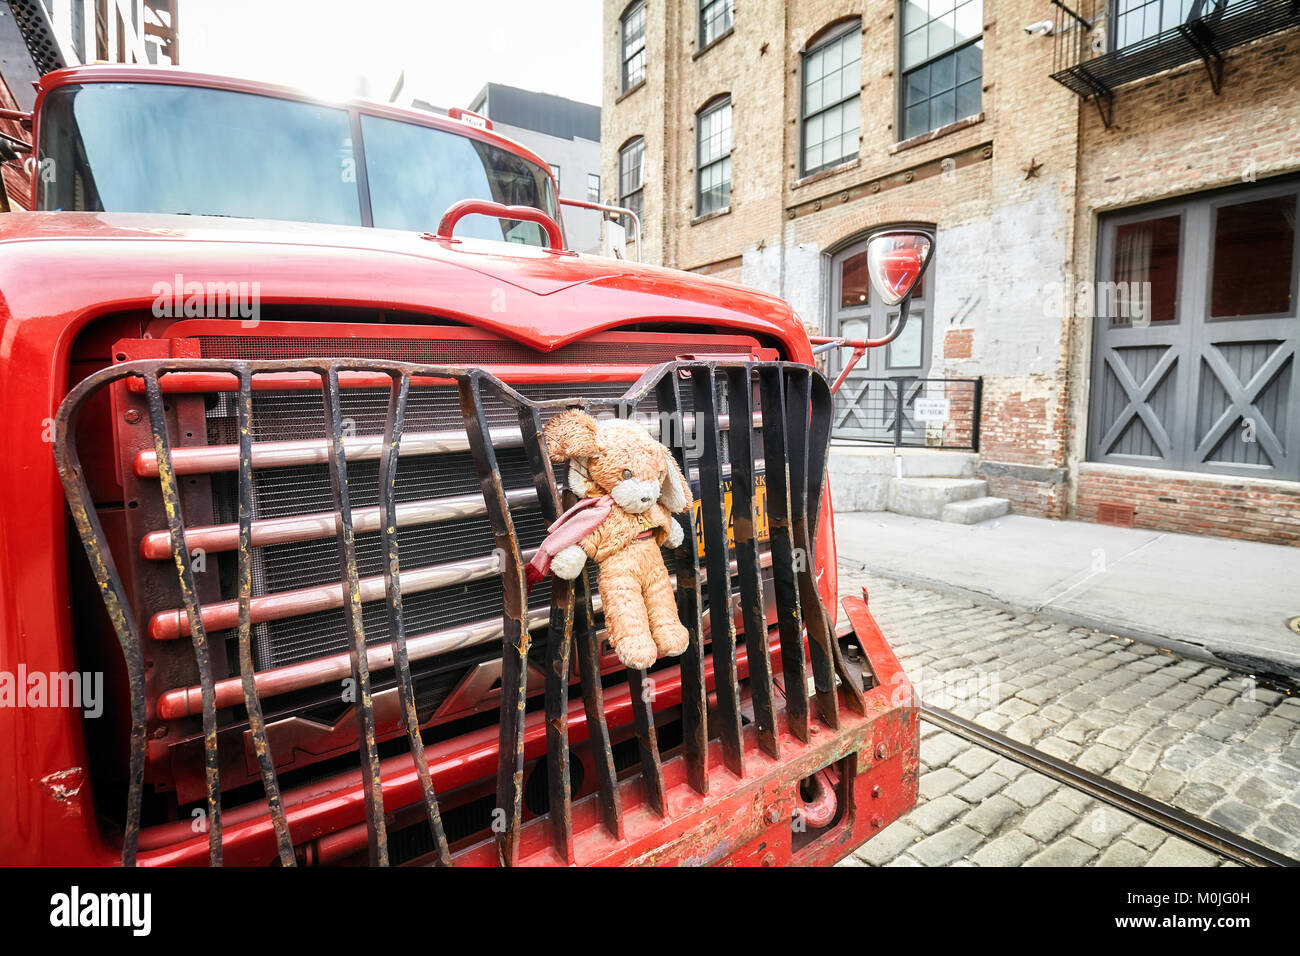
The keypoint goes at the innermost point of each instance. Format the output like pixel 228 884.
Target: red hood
pixel 75 265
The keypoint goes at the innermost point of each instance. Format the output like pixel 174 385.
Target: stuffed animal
pixel 629 487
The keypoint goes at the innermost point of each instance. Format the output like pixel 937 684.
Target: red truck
pixel 273 463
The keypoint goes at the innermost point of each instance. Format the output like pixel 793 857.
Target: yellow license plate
pixel 760 512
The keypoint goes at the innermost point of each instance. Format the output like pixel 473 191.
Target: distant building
pixel 1113 186
pixel 566 134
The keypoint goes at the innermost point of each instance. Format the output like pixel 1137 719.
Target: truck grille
pixel 303 488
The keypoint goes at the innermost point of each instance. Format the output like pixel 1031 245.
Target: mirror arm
pixel 898 326
pixel 822 344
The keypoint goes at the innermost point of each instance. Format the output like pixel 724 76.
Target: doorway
pixel 886 380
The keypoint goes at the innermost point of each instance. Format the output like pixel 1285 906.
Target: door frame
pixel 875 364
pixel 1192 335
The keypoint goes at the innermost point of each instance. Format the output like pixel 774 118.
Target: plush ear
pixel 571 434
pixel 676 494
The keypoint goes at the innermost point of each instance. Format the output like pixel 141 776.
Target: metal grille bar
pixel 795 420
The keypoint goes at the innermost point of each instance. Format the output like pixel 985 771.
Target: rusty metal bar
pixel 388 463
pixel 559 639
pixel 798 403
pixel 515 638
pixel 722 626
pixel 642 688
pixel 248 681
pixel 819 440
pixel 771 384
pixel 376 828
pixel 111 590
pixel 695 701
pixel 189 597
pixel 744 523
pixel 586 641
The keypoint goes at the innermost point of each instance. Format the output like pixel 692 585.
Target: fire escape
pixel 1104 44
pixel 87 31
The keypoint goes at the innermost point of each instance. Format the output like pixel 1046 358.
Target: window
pixel 555 171
pixel 941 63
pixel 713 157
pixel 1137 20
pixel 593 187
pixel 415 172
pixel 1197 335
pixel 715 20
pixel 831 108
pixel 1146 252
pixel 632 30
pixel 630 178
pixel 1254 257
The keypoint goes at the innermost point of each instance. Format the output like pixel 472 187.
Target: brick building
pixel 1062 157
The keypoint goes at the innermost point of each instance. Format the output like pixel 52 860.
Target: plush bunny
pixel 629 485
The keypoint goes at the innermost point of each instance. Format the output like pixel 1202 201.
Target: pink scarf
pixel 567 530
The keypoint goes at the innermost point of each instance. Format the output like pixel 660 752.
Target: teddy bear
pixel 629 487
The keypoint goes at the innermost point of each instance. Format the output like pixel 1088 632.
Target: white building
pixel 566 134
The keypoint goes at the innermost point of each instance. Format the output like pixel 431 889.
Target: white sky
pixel 448 49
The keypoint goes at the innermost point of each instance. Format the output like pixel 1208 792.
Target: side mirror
pixel 896 260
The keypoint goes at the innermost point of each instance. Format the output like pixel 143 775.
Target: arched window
pixel 631 178
pixel 831 110
pixel 713 156
pixel 632 35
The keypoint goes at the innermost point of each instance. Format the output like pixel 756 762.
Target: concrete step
pixel 927 497
pixel 975 510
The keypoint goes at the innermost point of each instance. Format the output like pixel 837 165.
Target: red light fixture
pixel 896 261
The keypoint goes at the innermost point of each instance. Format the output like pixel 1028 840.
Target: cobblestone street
pixel 1199 737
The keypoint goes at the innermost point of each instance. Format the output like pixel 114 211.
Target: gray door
pixel 867 404
pixel 1200 374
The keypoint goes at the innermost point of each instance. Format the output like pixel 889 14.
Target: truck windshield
pixel 156 148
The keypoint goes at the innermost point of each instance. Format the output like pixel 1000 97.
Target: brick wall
pixel 1165 501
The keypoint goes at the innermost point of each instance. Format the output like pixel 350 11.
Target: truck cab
pixel 276 373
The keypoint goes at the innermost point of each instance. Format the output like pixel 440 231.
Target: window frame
pixel 702 18
pixel 639 192
pixel 900 118
pixel 831 34
pixel 719 102
pixel 590 177
pixel 633 8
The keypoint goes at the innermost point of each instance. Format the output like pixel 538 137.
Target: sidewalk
pixel 1214 598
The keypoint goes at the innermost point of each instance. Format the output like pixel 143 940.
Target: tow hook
pixel 817 799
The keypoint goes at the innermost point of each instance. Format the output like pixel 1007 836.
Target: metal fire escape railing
pixel 795 417
pixel 1089 60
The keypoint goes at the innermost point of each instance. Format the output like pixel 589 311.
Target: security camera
pixel 1042 28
